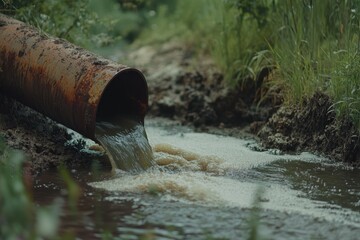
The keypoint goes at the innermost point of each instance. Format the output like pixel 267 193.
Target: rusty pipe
pixel 64 82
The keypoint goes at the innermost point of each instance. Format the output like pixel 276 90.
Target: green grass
pixel 233 35
pixel 311 45
pixel 345 88
pixel 317 49
pixel 238 42
pixel 97 25
pixel 254 218
pixel 20 216
pixel 66 23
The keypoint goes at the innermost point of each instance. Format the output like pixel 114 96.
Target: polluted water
pixel 205 186
pixel 125 142
pixel 222 171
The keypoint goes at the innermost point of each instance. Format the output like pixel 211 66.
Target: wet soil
pixel 313 127
pixel 190 88
pixel 45 143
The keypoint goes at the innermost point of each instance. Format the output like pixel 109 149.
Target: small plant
pixel 65 23
pixel 254 219
pixel 73 190
pixel 311 35
pixel 20 218
pixel 239 37
pixel 89 23
pixel 345 88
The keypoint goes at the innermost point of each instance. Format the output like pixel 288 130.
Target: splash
pixel 125 141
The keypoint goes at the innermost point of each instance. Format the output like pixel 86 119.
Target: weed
pixel 73 190
pixel 20 218
pixel 89 23
pixel 254 219
pixel 345 88
pixel 241 28
pixel 314 51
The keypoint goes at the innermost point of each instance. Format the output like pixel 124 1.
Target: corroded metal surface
pixel 67 83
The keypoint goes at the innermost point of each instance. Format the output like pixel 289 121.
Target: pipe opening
pixel 126 94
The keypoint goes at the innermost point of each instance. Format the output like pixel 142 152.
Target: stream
pixel 207 186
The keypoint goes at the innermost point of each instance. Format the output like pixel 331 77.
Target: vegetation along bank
pixel 288 70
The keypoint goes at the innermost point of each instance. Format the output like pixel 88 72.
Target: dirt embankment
pixel 193 91
pixel 45 143
pixel 313 127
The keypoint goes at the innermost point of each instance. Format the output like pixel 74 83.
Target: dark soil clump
pixel 313 127
pixel 193 91
pixel 45 143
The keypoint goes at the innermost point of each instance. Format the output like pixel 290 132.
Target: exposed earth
pixel 191 90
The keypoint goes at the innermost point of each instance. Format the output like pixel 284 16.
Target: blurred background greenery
pixel 20 217
pixel 309 45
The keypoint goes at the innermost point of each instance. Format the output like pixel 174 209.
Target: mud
pixel 313 127
pixel 190 88
pixel 45 143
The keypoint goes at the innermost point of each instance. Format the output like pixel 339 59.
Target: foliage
pixel 310 33
pixel 89 23
pixel 233 32
pixel 314 51
pixel 20 218
pixel 345 87
pixel 238 46
pixel 254 219
pixel 66 23
pixel 304 41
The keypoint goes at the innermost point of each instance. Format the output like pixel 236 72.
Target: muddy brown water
pixel 203 186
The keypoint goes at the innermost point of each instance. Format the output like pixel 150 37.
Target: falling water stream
pixel 204 186
pixel 125 141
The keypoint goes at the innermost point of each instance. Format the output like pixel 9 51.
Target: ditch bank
pixel 192 90
pixel 313 127
pixel 45 143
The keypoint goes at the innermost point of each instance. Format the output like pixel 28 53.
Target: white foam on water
pixel 232 151
pixel 193 169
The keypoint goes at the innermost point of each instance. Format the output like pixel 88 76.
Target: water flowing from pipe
pixel 125 141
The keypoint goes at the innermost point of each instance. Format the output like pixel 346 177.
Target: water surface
pixel 204 186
